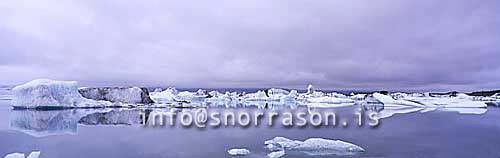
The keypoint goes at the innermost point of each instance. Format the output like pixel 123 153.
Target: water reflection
pixel 58 122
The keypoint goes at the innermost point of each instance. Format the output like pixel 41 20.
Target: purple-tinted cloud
pixel 343 44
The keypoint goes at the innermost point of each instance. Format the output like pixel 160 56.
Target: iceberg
pixel 257 96
pixel 310 89
pixel 280 143
pixel 461 101
pixel 167 96
pixel 276 94
pixel 131 95
pixel 43 93
pixel 276 154
pixel 320 146
pixel 34 154
pixel 313 147
pixel 238 152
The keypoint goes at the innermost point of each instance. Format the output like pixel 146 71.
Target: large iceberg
pixel 42 93
pixel 131 95
pixel 313 147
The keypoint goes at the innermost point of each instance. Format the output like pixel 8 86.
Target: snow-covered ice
pixel 238 152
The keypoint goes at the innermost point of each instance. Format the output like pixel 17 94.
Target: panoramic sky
pixel 339 44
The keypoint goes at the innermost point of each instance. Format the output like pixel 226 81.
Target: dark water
pixel 428 135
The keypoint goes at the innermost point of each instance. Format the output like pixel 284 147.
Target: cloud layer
pixel 341 44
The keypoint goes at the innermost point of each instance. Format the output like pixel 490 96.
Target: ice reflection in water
pixel 57 122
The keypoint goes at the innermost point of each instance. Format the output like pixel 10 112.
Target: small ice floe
pixel 34 154
pixel 276 154
pixel 238 152
pixel 312 147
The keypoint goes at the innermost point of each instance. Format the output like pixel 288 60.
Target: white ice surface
pixel 50 93
pixel 238 152
pixel 313 146
pixel 34 154
pixel 389 101
pixel 276 154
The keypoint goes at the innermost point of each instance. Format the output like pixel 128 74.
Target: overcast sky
pixel 337 44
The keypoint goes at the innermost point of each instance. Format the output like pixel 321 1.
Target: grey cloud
pixel 344 44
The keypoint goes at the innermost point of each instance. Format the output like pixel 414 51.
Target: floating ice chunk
pixel 49 93
pixel 132 95
pixel 290 96
pixel 310 89
pixel 186 95
pixel 277 91
pixel 330 100
pixel 15 155
pixel 257 96
pixel 389 101
pixel 358 97
pixel 320 146
pixel 238 152
pixel 280 143
pixel 44 92
pixel 34 154
pixel 447 102
pixel 167 96
pixel 313 147
pixel 276 154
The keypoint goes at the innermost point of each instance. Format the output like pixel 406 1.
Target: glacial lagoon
pixel 118 132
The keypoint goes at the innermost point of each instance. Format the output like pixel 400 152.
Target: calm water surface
pixel 428 135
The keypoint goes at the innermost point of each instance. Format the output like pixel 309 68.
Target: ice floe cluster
pixel 49 93
pixel 281 146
